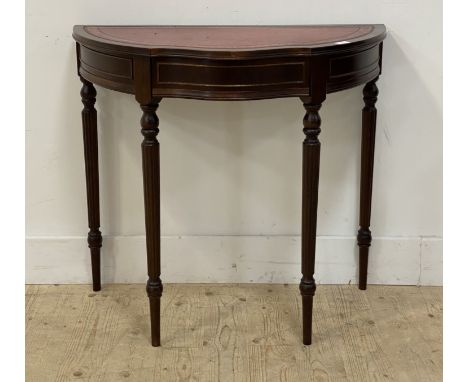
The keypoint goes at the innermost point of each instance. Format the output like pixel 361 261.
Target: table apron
pixel 241 79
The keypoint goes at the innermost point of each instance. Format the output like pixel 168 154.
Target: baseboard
pixel 235 259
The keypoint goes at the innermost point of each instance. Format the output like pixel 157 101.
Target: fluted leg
pixel 310 182
pixel 369 120
pixel 150 154
pixel 89 119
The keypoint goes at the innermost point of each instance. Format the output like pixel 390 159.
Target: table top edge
pixel 82 36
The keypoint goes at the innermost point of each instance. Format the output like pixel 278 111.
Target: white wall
pixel 230 172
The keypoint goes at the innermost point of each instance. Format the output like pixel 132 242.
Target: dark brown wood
pixel 253 63
pixel 142 79
pixel 150 155
pixel 90 140
pixel 229 63
pixel 310 182
pixel 355 68
pixel 369 122
pixel 230 79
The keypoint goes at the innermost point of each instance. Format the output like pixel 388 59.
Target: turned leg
pixel 369 119
pixel 150 154
pixel 89 117
pixel 310 182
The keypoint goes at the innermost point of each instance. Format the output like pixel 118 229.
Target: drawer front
pixel 171 76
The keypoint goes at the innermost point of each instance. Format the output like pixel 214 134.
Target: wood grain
pixel 229 332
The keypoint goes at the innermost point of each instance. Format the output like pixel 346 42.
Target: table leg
pixel 369 120
pixel 310 182
pixel 150 155
pixel 89 119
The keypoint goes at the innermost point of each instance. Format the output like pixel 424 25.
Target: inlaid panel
pixel 225 78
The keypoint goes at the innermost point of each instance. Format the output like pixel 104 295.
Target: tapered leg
pixel 89 118
pixel 150 154
pixel 369 119
pixel 310 182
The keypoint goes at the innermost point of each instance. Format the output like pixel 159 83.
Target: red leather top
pixel 230 37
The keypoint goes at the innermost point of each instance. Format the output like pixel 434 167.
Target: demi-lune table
pixel 229 63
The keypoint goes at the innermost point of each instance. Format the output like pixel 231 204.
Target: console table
pixel 229 63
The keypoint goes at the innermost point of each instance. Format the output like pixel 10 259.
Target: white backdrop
pixel 231 171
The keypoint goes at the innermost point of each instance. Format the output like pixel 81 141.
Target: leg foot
pixel 154 290
pixel 307 288
pixel 364 240
pixel 96 268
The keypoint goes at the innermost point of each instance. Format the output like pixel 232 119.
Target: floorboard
pixel 233 332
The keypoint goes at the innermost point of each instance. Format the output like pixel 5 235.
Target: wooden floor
pixel 246 332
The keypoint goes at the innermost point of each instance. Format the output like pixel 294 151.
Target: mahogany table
pixel 229 63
